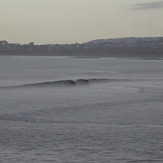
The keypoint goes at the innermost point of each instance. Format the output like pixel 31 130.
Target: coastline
pixel 84 56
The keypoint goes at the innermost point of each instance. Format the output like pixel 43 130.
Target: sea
pixel 81 110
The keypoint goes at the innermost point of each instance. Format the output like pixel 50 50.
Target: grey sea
pixel 81 110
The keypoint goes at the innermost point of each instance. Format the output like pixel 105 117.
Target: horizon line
pixel 82 42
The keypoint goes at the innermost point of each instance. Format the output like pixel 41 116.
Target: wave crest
pixel 66 83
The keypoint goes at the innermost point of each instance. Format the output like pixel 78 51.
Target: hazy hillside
pixel 148 47
pixel 125 39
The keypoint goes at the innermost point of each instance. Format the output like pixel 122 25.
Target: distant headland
pixel 142 47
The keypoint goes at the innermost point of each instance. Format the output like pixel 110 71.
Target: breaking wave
pixel 66 83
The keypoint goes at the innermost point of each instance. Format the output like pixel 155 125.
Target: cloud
pixel 149 5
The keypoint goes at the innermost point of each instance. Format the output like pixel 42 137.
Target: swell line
pixel 67 83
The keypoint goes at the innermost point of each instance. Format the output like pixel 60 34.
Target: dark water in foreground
pixel 78 110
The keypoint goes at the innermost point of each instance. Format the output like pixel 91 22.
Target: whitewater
pixel 81 110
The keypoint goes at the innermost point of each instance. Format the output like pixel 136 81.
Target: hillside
pixel 148 47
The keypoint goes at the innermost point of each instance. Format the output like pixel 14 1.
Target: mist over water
pixel 81 110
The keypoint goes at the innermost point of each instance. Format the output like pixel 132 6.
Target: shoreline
pixel 98 57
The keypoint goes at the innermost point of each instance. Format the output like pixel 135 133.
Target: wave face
pixel 65 83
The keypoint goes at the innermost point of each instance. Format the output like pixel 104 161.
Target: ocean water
pixel 81 110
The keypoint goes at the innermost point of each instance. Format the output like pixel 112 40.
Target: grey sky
pixel 70 21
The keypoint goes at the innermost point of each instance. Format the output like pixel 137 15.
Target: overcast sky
pixel 70 21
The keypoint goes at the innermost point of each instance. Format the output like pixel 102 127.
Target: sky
pixel 78 21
